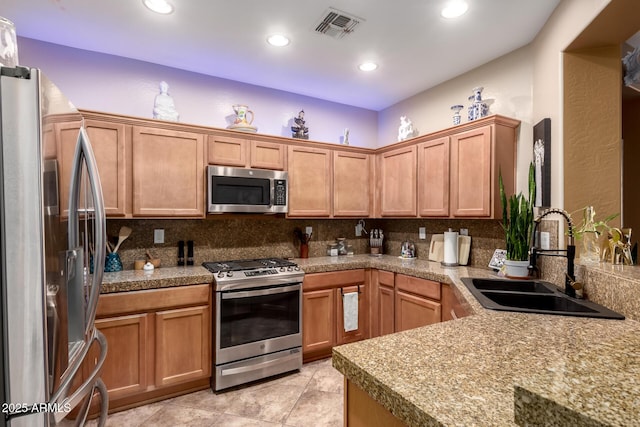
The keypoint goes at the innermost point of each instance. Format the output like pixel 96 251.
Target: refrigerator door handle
pixel 84 155
pixel 88 385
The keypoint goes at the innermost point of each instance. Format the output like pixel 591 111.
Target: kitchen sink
pixel 512 285
pixel 533 296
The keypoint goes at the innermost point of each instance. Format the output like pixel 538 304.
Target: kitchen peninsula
pixel 490 368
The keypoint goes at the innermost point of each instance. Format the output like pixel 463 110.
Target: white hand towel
pixel 350 311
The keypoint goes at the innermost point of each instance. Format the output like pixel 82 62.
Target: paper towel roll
pixel 450 248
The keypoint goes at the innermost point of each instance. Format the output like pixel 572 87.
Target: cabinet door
pixel 386 310
pixel 433 178
pixel 183 345
pixel 452 307
pixel 226 151
pixel 125 369
pixel 363 317
pixel 413 311
pixel 351 184
pixel 309 182
pixel 318 320
pixel 108 144
pixel 471 173
pixel 168 173
pixel 398 176
pixel 267 155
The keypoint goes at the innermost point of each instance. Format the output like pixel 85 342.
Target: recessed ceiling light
pixel 368 66
pixel 159 6
pixel 278 40
pixel 454 8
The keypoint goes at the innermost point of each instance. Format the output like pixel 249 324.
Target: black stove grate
pixel 247 264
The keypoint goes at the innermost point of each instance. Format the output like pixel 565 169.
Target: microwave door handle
pixel 84 155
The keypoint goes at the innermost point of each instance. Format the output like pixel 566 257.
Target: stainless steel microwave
pixel 246 190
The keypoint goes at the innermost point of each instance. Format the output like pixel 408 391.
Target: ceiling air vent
pixel 337 24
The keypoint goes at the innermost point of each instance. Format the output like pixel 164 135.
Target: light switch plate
pixel 545 240
pixel 422 233
pixel 158 235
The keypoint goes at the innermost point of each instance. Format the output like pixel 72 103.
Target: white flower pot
pixel 516 269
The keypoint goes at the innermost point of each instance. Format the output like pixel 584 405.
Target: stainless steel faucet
pixel 570 285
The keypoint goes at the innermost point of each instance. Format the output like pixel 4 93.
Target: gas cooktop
pixel 247 264
pixel 253 273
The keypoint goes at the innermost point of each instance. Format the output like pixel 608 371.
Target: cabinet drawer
pixel 386 278
pixel 333 279
pixel 422 287
pixel 153 299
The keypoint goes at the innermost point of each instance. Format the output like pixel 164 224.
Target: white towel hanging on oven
pixel 350 311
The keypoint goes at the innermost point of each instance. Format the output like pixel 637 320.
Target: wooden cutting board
pixel 464 248
pixel 436 248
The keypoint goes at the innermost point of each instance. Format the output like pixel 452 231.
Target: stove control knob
pixel 296 268
pixel 281 268
pixel 230 274
pixel 289 268
pixel 221 274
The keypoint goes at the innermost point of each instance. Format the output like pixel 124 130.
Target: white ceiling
pixel 415 47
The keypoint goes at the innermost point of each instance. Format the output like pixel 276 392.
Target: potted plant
pixel 517 222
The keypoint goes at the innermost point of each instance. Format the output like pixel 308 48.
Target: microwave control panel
pixel 280 192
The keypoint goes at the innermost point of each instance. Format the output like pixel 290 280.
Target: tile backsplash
pixel 272 236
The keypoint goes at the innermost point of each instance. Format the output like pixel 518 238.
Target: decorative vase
pixel 478 109
pixel 589 248
pixel 113 263
pixel 456 113
pixel 516 269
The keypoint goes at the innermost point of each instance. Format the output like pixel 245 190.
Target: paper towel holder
pixel 451 264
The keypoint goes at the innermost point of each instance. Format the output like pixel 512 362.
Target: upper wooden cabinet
pixel 309 181
pixel 168 172
pixel 433 178
pixel 478 156
pixel 351 184
pixel 108 144
pixel 397 182
pixel 244 153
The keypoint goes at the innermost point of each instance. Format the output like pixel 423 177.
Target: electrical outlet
pixel 422 233
pixel 309 230
pixel 158 235
pixel 358 230
pixel 545 240
pixel 464 231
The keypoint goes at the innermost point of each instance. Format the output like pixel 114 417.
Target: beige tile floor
pixel 311 397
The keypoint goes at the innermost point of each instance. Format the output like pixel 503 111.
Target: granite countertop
pixel 490 368
pixel 164 277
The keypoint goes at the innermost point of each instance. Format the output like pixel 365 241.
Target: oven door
pixel 253 322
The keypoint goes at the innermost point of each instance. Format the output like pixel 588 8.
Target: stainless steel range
pixel 258 319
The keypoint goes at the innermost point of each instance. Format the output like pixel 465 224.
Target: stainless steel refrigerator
pixel 52 258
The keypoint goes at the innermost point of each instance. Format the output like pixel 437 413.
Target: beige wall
pixel 631 135
pixel 526 84
pixel 569 19
pixel 507 83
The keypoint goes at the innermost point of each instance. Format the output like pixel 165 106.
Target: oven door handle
pixel 258 366
pixel 259 292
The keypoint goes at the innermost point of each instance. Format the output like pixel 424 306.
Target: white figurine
pixel 406 129
pixel 163 107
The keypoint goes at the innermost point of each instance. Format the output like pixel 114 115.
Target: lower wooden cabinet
pixel 159 343
pixel 183 349
pixel 322 311
pixel 125 369
pixel 452 307
pixel 402 302
pixel 319 317
pixel 413 311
